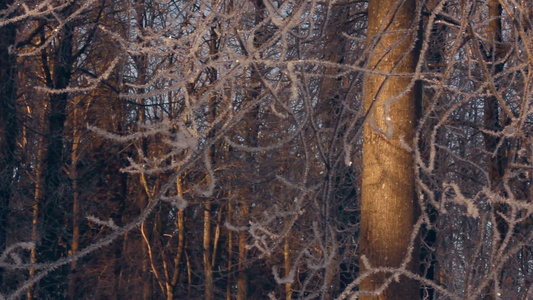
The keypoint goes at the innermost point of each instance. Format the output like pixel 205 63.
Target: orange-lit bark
pixel 388 207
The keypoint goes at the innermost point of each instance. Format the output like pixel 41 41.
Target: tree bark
pixel 9 126
pixel 493 121
pixel 287 266
pixel 8 120
pixel 388 207
pixel 209 288
pixel 73 174
pixel 229 220
pixel 37 203
pixel 55 201
pixel 242 282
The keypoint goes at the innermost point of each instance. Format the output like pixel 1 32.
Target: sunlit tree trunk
pixel 143 202
pixel 180 225
pixel 146 281
pixel 242 280
pixel 73 174
pixel 287 265
pixel 37 203
pixel 388 206
pixel 209 288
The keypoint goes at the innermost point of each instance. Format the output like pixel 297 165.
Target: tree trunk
pixel 8 124
pixel 37 203
pixel 55 204
pixel 209 288
pixel 388 207
pixel 242 282
pixel 287 265
pixel 73 174
pixel 494 122
pixel 180 225
pixel 229 220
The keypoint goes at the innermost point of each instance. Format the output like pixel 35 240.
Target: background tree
pixel 9 125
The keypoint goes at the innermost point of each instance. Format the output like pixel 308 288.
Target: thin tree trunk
pixel 37 202
pixel 9 125
pixel 252 133
pixel 229 219
pixel 493 122
pixel 189 275
pixel 56 202
pixel 121 244
pixel 144 198
pixel 287 265
pixel 209 288
pixel 73 174
pixel 213 102
pixel 180 224
pixel 145 265
pixel 242 283
pixel 141 63
pixel 388 206
pixel 491 118
pixel 217 236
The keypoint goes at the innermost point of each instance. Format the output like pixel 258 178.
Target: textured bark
pixel 388 207
pixel 208 269
pixel 73 174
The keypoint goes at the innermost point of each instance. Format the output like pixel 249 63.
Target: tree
pixel 388 204
pixel 9 124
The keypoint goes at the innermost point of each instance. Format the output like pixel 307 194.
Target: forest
pixel 266 149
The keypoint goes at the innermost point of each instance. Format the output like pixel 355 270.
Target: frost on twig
pixel 109 223
pixel 182 142
pixel 457 197
pixel 177 202
pixel 11 252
